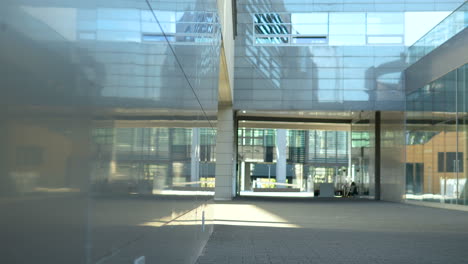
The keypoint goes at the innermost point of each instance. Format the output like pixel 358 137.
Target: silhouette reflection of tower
pixel 379 91
pixel 190 64
pixel 282 65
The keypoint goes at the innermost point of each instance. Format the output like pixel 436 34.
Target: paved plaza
pixel 284 231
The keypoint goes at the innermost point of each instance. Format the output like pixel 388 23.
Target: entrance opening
pixel 295 156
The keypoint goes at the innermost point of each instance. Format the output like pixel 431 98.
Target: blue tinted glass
pixel 157 38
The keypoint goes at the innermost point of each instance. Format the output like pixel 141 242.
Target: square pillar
pixel 225 154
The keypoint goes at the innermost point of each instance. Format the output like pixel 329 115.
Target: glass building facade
pixel 328 55
pixel 436 115
pixel 116 135
pixel 436 139
pixel 107 111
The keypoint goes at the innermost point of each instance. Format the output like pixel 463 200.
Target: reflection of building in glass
pixel 308 154
pixel 433 165
pixel 141 53
pixel 357 64
pixel 154 159
pixel 117 118
pixel 436 138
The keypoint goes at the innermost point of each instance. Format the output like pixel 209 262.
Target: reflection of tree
pixel 420 137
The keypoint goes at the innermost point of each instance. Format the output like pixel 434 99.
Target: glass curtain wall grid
pixel 328 55
pixel 134 25
pixel 437 140
pixel 107 128
pixel 329 28
pixel 142 52
pixel 446 29
pixel 154 160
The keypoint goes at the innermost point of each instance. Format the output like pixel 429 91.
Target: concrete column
pixel 195 155
pixel 281 155
pixel 225 154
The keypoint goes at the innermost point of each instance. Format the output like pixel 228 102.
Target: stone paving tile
pixel 329 233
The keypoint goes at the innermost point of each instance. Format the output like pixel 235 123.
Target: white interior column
pixel 195 155
pixel 225 155
pixel 281 155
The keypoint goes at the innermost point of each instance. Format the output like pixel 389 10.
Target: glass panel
pixel 385 18
pixel 387 29
pixel 436 139
pixel 348 18
pixel 157 38
pixel 360 151
pixel 347 40
pixel 449 27
pixel 162 16
pixel 309 18
pixel 462 103
pixel 118 25
pixel 441 162
pixel 347 29
pixel 301 29
pixel 418 178
pixel 409 178
pixel 384 40
pixel 272 18
pixel 309 40
pixel 271 40
pixel 272 29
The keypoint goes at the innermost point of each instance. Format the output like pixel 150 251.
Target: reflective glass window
pixel 163 16
pixel 301 29
pixel 309 18
pixel 118 25
pixel 157 38
pixel 118 14
pixel 384 39
pixel 348 18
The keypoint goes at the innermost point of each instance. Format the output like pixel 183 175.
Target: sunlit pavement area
pixel 276 194
pixel 347 231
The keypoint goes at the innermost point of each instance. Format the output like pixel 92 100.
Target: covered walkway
pixel 334 231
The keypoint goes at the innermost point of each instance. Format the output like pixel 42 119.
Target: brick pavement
pixel 340 231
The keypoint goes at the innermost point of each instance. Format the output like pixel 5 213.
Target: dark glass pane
pixel 205 153
pixel 269 154
pixel 409 178
pixel 440 162
pixel 450 162
pixel 419 178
